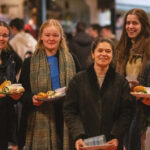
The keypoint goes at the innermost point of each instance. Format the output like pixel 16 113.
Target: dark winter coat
pixel 80 46
pixel 10 66
pixel 142 118
pixel 142 110
pixel 27 105
pixel 90 111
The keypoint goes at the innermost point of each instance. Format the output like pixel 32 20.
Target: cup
pixel 97 140
pixel 132 79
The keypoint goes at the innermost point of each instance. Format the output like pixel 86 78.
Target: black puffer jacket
pixel 80 45
pixel 10 66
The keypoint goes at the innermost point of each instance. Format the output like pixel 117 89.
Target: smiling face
pixel 133 26
pixel 4 36
pixel 102 55
pixel 51 38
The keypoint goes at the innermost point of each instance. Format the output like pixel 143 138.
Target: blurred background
pixel 69 12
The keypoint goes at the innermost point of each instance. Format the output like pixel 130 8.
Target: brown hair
pixel 2 23
pixel 125 44
pixel 52 22
pixel 101 40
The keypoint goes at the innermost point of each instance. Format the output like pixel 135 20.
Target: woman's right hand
pixel 35 101
pixel 113 144
pixel 79 143
pixel 2 95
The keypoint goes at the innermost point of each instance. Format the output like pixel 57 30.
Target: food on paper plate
pixel 51 94
pixel 7 88
pixel 13 89
pixel 61 90
pixel 140 89
pixel 5 83
pixel 42 95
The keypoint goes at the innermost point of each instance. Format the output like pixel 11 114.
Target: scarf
pixel 135 56
pixel 41 129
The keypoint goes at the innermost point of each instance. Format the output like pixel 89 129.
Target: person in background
pixel 106 32
pixel 50 67
pixel 98 100
pixel 94 30
pixel 134 48
pixel 80 45
pixel 21 42
pixel 10 63
pixel 77 63
pixel 31 26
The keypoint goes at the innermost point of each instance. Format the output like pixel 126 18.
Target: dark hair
pixel 143 18
pixel 80 27
pixel 4 24
pixel 101 40
pixel 34 12
pixel 18 23
pixel 96 27
pixel 108 27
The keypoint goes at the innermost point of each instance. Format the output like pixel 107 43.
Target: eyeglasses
pixel 4 35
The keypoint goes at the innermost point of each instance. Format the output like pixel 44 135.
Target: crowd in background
pixel 99 72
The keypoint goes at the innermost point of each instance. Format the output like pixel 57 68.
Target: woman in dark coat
pixel 98 100
pixel 10 63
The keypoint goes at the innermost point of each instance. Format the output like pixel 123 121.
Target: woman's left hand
pixel 133 84
pixel 2 95
pixel 14 147
pixel 114 143
pixel 16 96
pixel 146 101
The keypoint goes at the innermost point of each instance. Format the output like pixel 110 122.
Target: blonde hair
pixel 52 22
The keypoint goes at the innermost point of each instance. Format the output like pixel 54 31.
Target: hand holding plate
pixel 35 101
pixel 2 95
pixel 15 96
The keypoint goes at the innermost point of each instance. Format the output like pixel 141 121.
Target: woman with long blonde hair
pixel 50 67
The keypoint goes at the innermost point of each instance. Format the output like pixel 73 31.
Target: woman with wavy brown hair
pixel 133 47
pixel 133 55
